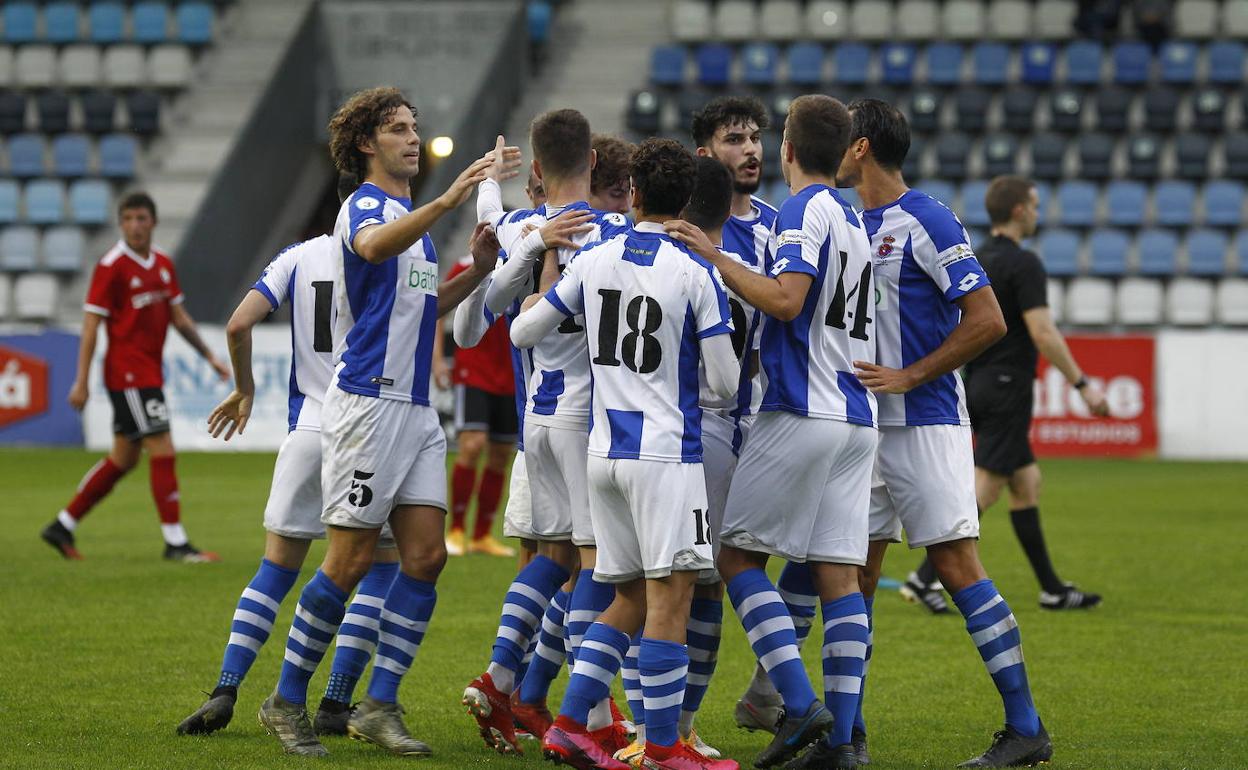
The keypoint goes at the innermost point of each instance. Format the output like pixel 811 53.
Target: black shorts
pixel 999 400
pixel 139 412
pixel 475 409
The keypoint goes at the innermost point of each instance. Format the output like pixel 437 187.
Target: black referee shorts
pixel 1000 400
pixel 476 409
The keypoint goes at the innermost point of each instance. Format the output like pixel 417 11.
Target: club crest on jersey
pixel 136 282
pixel 423 277
pixel 367 204
pixel 886 247
pixel 164 275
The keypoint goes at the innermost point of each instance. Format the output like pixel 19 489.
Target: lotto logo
pixel 23 386
pixel 968 282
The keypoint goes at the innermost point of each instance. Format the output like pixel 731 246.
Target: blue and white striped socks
pixel 992 627
pixel 706 617
pixel 769 627
pixel 523 610
pixel 589 599
pixel 844 649
pixel 860 722
pixel 404 619
pixel 797 588
pixel 253 620
pixel 357 636
pixel 630 675
pixel 321 607
pixel 549 654
pixel 663 666
pixel 601 654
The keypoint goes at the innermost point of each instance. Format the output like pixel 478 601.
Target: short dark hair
pixel 818 129
pixel 561 142
pixel 662 171
pixel 137 200
pixel 356 121
pixel 727 111
pixel 614 157
pixel 711 200
pixel 1003 194
pixel 883 125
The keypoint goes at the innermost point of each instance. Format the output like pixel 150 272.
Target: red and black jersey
pixel 487 366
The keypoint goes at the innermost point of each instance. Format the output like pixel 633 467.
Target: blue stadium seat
pixel 991 63
pixel 1060 251
pixel 20 20
pixel 19 248
pixel 1076 204
pixel 944 64
pixel 1226 63
pixel 12 112
pixel 1224 204
pixel 1206 252
pixel 805 64
pixel 60 22
pixel 1131 62
pixel 667 65
pixel 1039 60
pixel 714 64
pixel 149 21
pixel 1241 252
pixel 1175 203
pixel 897 62
pixel 195 23
pixel 1108 249
pixel 8 201
pixel 45 202
pixel 71 155
pixel 64 249
pixel 1083 63
pixel 539 15
pixel 972 211
pixel 89 202
pixel 1045 194
pixel 852 62
pixel 117 156
pixel 107 21
pixel 25 155
pixel 1158 252
pixel 758 64
pixel 1125 201
pixel 943 192
pixel 1178 62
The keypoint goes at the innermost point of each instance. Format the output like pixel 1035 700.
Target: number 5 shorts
pixel 649 517
pixel 377 454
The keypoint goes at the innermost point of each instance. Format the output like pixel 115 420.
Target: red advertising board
pixel 1122 366
pixel 23 385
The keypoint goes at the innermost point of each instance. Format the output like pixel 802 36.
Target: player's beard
pixel 747 188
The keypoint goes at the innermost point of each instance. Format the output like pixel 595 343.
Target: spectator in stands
pixel 1153 20
pixel 1098 19
pixel 134 292
pixel 609 182
pixel 999 384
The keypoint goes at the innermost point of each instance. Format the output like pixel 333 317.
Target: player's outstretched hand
pixel 231 415
pixel 484 247
pixel 693 237
pixel 78 395
pixel 1095 399
pixel 466 182
pixel 881 379
pixel 558 232
pixel 506 161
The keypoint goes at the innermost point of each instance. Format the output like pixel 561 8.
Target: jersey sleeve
pixel 274 282
pixel 366 209
pixel 949 259
pixel 567 295
pixel 1032 290
pixel 797 239
pixel 711 314
pixel 101 297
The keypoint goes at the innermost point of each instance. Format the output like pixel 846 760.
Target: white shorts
pixel 377 454
pixel 924 482
pixel 718 465
pixel 802 489
pixel 555 461
pixel 518 516
pixel 650 518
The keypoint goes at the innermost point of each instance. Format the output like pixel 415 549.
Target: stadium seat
pixel 944 64
pixel 826 19
pixel 913 168
pixel 1000 155
pixel 89 202
pixel 1209 110
pixel 1241 253
pixel 851 63
pixel 943 192
pixel 34 66
pixel 1059 249
pixel 99 109
pixel 117 156
pixel 1158 252
pixel 805 64
pixel 106 21
pixel 897 63
pixel 1107 251
pixel 1206 253
pixel 1112 105
pixel 777 103
pixel 143 108
pixel 972 208
pixel 1089 302
pixel 1232 301
pixel 1055 295
pixel 780 20
pixel 1161 107
pixel 1076 204
pixel 45 201
pixel 1095 156
pixel 1065 111
pixel 1235 20
pixel 1189 302
pixel 952 151
pixel 1047 156
pixel 1178 62
pixel 1044 191
pixel 123 66
pixel 12 112
pixel 1053 19
pixel 1235 151
pixel 991 63
pixel 9 199
pixel 149 22
pixel 667 65
pixel 1143 157
pixel 1038 60
pixel 71 155
pixel 6 296
pixel 20 22
pixel 924 111
pixel 80 66
pixel 758 64
pixel 1131 63
pixel 690 20
pixel 643 115
pixel 1224 204
pixel 538 17
pixel 963 19
pixel 688 102
pixel 1174 202
pixel 1226 63
pixel 25 155
pixel 1139 302
pixel 35 296
pixel 19 248
pixel 1196 18
pixel 871 21
pixel 52 108
pixel 714 61
pixel 917 19
pixel 735 21
pixel 6 65
pixel 970 109
pixel 1018 110
pixel 1192 153
pixel 64 249
pixel 1009 19
pixel 1083 63
pixel 194 22
pixel 60 22
pixel 169 66
pixel 1125 201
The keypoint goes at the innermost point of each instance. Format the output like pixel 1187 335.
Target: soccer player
pixel 608 182
pixel 652 311
pixel 383 452
pixel 135 293
pixel 999 387
pixel 816 292
pixel 935 312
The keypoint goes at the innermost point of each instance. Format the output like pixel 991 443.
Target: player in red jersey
pixel 135 294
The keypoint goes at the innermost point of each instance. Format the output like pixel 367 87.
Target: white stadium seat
pixel 1233 301
pixel 827 19
pixel 781 20
pixel 1056 296
pixel 169 66
pixel 80 66
pixel 691 20
pixel 917 19
pixel 6 296
pixel 1197 18
pixel 34 296
pixel 1139 302
pixel 34 66
pixel 1235 20
pixel 736 21
pixel 1009 19
pixel 963 19
pixel 1054 19
pixel 1189 302
pixel 872 21
pixel 1090 302
pixel 6 65
pixel 123 66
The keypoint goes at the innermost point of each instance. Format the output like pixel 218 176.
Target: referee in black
pixel 999 384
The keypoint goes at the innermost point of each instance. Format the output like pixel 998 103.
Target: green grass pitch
pixel 103 657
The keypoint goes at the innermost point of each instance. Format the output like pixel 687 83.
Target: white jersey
pixel 387 313
pixel 749 237
pixel 304 275
pixel 559 384
pixel 923 264
pixel 809 361
pixel 746 320
pixel 646 302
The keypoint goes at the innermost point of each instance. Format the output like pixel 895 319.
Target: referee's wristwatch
pixel 1081 383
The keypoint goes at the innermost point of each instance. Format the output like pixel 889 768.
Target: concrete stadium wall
pixel 1202 383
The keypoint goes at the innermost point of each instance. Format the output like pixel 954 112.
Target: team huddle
pixel 703 382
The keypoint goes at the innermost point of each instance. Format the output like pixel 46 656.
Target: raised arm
pixel 514 278
pixel 484 248
pixel 231 414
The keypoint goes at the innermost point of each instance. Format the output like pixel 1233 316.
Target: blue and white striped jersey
pixel 558 388
pixel 746 321
pixel 646 302
pixel 304 275
pixel 809 361
pixel 750 237
pixel 386 313
pixel 923 263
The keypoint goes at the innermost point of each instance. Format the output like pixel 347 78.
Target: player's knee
pixel 125 460
pixel 471 442
pixel 427 563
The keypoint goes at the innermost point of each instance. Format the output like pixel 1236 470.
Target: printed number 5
pixel 361 494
